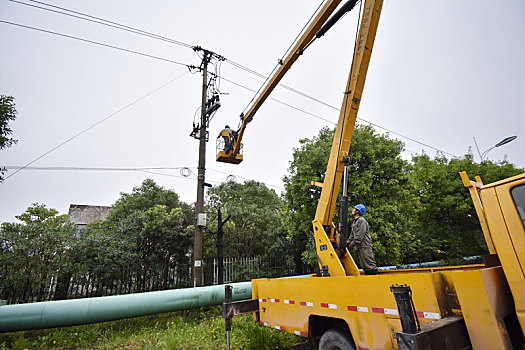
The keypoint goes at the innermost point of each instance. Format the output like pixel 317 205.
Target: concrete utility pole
pixel 201 215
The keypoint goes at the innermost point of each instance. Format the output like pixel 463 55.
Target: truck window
pixel 518 194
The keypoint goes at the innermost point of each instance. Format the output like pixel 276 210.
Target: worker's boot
pixel 370 271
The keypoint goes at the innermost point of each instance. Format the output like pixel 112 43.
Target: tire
pixel 336 339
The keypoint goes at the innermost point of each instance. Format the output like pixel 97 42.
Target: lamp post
pixel 501 143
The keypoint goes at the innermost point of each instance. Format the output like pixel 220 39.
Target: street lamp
pixel 501 143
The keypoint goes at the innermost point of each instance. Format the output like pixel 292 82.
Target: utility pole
pixel 201 215
pixel 208 108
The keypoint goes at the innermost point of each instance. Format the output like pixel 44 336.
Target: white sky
pixel 442 72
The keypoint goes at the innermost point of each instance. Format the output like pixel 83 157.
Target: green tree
pixel 308 163
pixel 447 224
pixel 32 251
pixel 157 230
pixel 377 178
pixel 256 221
pixel 100 261
pixel 7 113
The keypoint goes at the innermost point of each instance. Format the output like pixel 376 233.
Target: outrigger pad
pixel 239 307
pixel 449 333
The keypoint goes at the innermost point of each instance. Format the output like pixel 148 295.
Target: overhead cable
pixel 233 63
pixel 231 177
pixel 362 120
pixel 102 21
pixel 281 102
pixel 120 26
pixel 98 20
pixel 71 168
pixel 95 42
pixel 230 81
pixel 185 172
pixel 97 123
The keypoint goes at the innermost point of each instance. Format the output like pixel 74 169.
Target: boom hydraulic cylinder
pixel 343 219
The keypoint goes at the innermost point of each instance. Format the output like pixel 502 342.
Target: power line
pixel 102 21
pixel 163 174
pixel 337 109
pixel 232 82
pixel 95 42
pixel 141 170
pixel 98 20
pixel 245 178
pixel 147 170
pixel 281 102
pixel 70 168
pixel 97 123
pixel 159 37
pixel 134 30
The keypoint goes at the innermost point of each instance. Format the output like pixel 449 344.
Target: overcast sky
pixel 442 72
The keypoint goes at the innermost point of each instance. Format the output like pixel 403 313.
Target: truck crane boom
pixel 324 230
pixel 334 259
pixel 317 28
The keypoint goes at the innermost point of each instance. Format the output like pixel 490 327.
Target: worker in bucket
pixel 360 238
pixel 227 135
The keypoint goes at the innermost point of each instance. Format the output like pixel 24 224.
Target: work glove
pixel 350 247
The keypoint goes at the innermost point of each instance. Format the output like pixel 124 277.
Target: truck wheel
pixel 336 339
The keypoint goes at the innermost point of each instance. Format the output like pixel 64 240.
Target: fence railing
pixel 244 269
pixel 85 285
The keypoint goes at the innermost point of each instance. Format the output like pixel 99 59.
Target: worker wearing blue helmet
pixel 360 238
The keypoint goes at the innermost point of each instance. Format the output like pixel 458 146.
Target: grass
pixel 192 329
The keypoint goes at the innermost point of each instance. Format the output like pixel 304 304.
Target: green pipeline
pixel 63 313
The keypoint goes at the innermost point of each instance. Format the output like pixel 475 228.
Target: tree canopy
pixel 7 114
pixel 417 210
pixel 144 244
pixel 254 227
pixel 35 247
pixel 378 178
pixel 447 227
pixel 154 229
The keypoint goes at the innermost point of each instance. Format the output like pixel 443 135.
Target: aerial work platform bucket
pixel 229 157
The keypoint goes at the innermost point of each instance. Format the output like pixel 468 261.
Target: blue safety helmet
pixel 361 208
pixel 226 126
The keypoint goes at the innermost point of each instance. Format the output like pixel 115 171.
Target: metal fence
pixel 244 269
pixel 86 285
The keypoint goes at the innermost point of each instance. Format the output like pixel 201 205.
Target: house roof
pixel 84 214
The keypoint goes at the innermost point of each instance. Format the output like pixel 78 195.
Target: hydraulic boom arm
pixel 317 28
pixel 334 259
pixel 324 230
